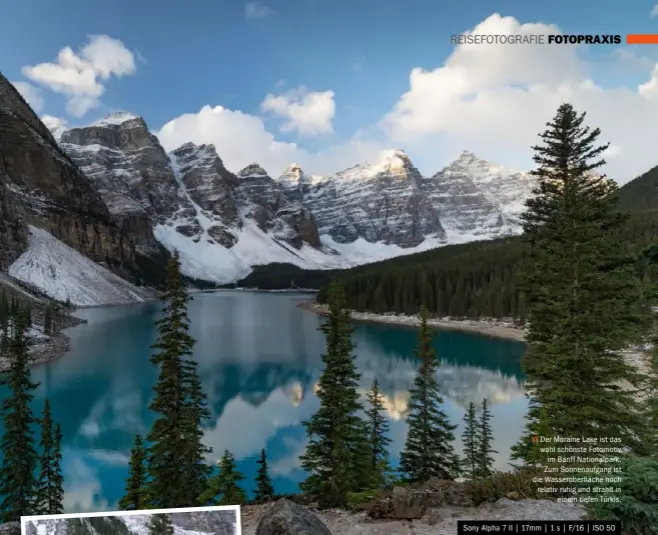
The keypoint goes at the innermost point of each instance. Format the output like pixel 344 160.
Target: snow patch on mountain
pixel 63 274
pixel 361 251
pixel 115 119
pixel 211 261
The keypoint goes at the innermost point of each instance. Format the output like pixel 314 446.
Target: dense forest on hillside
pixel 473 280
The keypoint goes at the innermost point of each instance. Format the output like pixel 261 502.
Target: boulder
pixel 408 504
pixel 288 518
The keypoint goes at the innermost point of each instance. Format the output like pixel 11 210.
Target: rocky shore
pixel 433 509
pixel 44 348
pixel 497 329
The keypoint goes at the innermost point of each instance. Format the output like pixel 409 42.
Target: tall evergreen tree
pixel 48 320
pixel 224 488
pixel 379 441
pixel 195 413
pixel 56 494
pixel 334 457
pixel 582 295
pixel 160 524
pixel 264 488
pixel 651 402
pixel 485 450
pixel 18 482
pixel 428 450
pixel 470 442
pixel 49 492
pixel 175 437
pixel 136 497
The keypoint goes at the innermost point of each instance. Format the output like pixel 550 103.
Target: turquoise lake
pixel 259 358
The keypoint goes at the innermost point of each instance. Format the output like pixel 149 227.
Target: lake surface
pixel 259 358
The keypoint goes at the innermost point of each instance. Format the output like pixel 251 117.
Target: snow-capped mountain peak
pixel 252 170
pixel 190 154
pixel 115 119
pixel 392 163
pixel 294 177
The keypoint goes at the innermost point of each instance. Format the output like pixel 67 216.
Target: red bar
pixel 642 39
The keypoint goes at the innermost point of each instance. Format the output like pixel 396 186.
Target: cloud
pixel 31 94
pixel 307 112
pixel 257 10
pixel 654 11
pixel 54 123
pixel 80 75
pixel 110 458
pixel 495 99
pixel 242 139
pixel 82 486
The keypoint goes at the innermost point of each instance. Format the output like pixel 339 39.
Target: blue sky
pixel 228 53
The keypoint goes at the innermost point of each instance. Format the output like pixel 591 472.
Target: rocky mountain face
pixel 381 202
pixel 481 197
pixel 286 218
pixel 127 166
pixel 40 185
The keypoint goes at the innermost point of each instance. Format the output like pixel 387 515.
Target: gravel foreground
pixel 440 521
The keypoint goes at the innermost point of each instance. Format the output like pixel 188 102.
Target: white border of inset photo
pixel 236 508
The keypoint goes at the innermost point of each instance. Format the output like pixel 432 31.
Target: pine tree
pixel 49 491
pixel 651 401
pixel 174 439
pixel 195 413
pixel 335 457
pixel 264 488
pixel 160 524
pixel 378 428
pixel 428 449
pixel 224 488
pixel 136 497
pixel 56 494
pixel 48 321
pixel 485 450
pixel 470 442
pixel 18 483
pixel 582 294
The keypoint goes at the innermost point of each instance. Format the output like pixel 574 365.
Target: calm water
pixel 259 357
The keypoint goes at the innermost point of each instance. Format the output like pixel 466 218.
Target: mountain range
pixel 112 193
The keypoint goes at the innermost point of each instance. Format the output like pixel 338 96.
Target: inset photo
pixel 220 520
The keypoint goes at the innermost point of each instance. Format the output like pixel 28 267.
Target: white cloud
pixel 257 10
pixel 241 139
pixel 495 99
pixel 31 94
pixel 654 11
pixel 54 123
pixel 80 75
pixel 82 486
pixel 307 112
